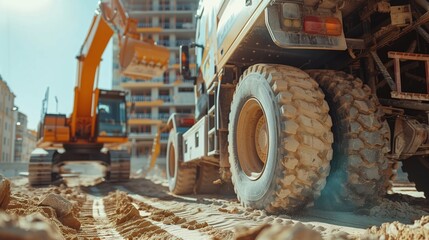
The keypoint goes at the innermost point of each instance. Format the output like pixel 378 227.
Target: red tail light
pixel 323 26
pixel 314 25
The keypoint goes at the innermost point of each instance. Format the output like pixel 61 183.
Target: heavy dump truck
pixel 98 123
pixel 302 102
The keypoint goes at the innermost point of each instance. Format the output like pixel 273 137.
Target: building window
pixel 146 129
pixel 186 89
pixel 163 152
pixel 183 110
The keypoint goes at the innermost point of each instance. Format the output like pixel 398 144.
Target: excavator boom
pixel 88 61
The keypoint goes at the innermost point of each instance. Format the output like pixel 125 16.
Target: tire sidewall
pixel 256 193
pixel 172 140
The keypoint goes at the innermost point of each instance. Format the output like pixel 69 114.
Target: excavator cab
pixel 111 114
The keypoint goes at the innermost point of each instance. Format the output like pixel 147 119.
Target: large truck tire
pixel 181 176
pixel 417 168
pixel 279 138
pixel 359 170
pixel 207 174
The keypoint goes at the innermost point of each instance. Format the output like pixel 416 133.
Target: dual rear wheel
pixel 187 178
pixel 283 136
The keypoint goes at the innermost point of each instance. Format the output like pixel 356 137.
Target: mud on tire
pixel 282 167
pixel 359 169
pixel 181 177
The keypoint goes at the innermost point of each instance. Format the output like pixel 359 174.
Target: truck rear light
pixel 314 25
pixel 322 25
pixel 333 26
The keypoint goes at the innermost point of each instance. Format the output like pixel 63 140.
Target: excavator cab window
pixel 111 115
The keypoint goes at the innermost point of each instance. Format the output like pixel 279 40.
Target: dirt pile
pixel 58 207
pixel 298 231
pixel 31 227
pixel 396 210
pixel 121 211
pixel 295 231
pixel 63 210
pixel 397 230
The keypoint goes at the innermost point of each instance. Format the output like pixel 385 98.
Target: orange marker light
pixel 333 26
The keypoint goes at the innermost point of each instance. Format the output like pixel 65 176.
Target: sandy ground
pixel 144 209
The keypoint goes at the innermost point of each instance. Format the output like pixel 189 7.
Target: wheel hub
pixel 261 139
pixel 252 139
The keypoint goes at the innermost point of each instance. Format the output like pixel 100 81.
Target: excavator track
pixel 119 166
pixel 40 168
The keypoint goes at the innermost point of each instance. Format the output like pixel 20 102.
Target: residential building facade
pixel 8 116
pixel 25 139
pixel 151 102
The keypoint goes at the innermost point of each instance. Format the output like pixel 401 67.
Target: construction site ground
pixel 143 208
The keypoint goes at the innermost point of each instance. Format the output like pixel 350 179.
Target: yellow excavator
pixel 98 123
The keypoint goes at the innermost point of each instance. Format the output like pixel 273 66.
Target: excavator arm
pixel 138 58
pixel 88 61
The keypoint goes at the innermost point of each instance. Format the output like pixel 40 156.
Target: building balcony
pixel 137 98
pixel 140 115
pixel 174 44
pixel 142 118
pixel 144 10
pixel 128 83
pixel 141 135
pixel 178 43
pixel 165 98
pixel 144 101
pixel 163 7
pixel 165 43
pixel 184 27
pixel 153 80
pixel 164 116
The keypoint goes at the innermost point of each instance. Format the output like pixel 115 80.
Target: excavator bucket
pixel 143 60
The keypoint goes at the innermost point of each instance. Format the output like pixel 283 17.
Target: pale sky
pixel 39 40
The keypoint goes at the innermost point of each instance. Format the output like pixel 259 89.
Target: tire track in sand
pixel 210 222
